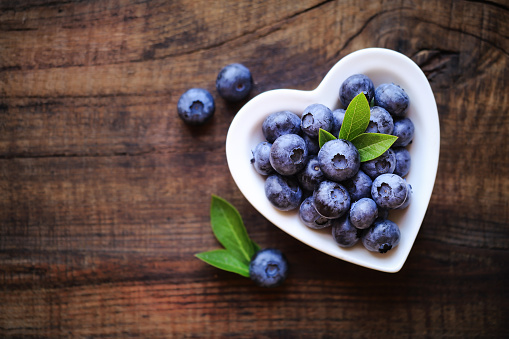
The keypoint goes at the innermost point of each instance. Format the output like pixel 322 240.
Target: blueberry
pixel 339 159
pixel 261 158
pixel 393 98
pixel 280 123
pixel 386 163
pixel 196 106
pixel 408 198
pixel 354 85
pixel 284 193
pixel 311 175
pixel 402 161
pixel 337 120
pixel 312 144
pixel 331 199
pixel 382 236
pixel 380 121
pixel 363 213
pixel 288 154
pixel 404 130
pixel 268 268
pixel 234 82
pixel 359 186
pixel 344 233
pixel 310 217
pixel 389 191
pixel 314 117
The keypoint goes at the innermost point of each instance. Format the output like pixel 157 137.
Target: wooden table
pixel 105 192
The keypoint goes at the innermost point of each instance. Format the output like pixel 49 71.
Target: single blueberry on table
pixel 393 98
pixel 261 158
pixel 339 159
pixel 353 85
pixel 383 236
pixel 196 106
pixel 314 117
pixel 359 186
pixel 234 82
pixel 403 161
pixel 380 121
pixel 311 175
pixel 386 163
pixel 331 199
pixel 404 129
pixel 389 191
pixel 337 120
pixel 344 232
pixel 288 154
pixel 363 213
pixel 310 217
pixel 280 123
pixel 283 192
pixel 268 268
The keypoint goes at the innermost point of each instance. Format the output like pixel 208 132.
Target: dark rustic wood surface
pixel 105 193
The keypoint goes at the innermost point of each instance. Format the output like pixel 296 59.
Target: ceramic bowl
pixel 381 65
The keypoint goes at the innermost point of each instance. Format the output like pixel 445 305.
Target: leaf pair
pixel 230 231
pixel 355 122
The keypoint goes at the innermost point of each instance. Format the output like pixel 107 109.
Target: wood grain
pixel 105 193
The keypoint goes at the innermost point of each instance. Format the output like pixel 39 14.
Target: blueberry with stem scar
pixel 196 106
pixel 288 154
pixel 383 236
pixel 234 82
pixel 331 199
pixel 268 268
pixel 339 159
pixel 389 191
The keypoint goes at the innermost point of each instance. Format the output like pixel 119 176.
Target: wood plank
pixel 329 303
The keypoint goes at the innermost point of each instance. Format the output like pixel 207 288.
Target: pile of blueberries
pixel 329 186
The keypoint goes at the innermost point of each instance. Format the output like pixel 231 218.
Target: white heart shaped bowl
pixel 382 66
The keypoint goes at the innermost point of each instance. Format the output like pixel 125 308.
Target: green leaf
pixel 224 260
pixel 356 118
pixel 324 136
pixel 373 145
pixel 229 229
pixel 372 103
